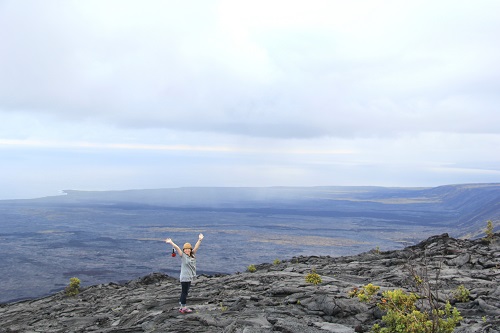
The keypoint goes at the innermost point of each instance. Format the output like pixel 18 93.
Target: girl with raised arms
pixel 188 268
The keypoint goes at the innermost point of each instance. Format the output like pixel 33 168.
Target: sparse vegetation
pixel 489 231
pixel 73 288
pixel 223 308
pixel 364 294
pixel 462 294
pixel 251 268
pixel 313 277
pixel 418 280
pixel 276 262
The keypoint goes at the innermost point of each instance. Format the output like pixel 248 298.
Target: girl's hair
pixel 191 254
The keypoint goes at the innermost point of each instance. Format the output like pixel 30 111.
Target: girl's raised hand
pixel 200 236
pixel 168 241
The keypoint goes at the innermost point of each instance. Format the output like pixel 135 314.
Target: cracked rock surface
pixel 276 297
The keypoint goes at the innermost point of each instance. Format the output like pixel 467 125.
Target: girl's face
pixel 187 251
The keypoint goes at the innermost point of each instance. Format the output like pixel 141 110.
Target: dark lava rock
pixel 276 298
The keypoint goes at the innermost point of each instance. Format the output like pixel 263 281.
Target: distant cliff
pixel 465 207
pixel 473 203
pixel 276 297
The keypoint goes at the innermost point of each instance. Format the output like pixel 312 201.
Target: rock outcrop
pixel 276 297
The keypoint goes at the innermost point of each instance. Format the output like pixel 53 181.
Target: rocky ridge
pixel 276 297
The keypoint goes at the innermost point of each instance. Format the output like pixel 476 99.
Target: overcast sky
pixel 110 95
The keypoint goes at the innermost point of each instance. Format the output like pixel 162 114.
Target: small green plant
pixel 489 231
pixel 223 308
pixel 313 277
pixel 73 288
pixel 484 319
pixel 298 302
pixel 251 268
pixel 276 262
pixel 461 294
pixel 364 294
pixel 377 250
pixel 418 279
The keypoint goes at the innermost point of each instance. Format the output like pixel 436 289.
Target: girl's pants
pixel 184 293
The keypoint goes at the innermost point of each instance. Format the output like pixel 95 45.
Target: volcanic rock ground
pixel 276 297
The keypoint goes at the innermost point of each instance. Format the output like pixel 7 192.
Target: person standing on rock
pixel 188 268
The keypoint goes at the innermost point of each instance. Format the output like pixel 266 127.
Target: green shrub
pixel 251 268
pixel 461 294
pixel 418 280
pixel 276 262
pixel 402 314
pixel 364 294
pixel 223 308
pixel 73 288
pixel 313 278
pixel 489 231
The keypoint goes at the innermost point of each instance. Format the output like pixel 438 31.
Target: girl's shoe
pixel 186 310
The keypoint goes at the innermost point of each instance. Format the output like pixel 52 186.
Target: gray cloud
pixel 123 94
pixel 181 67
